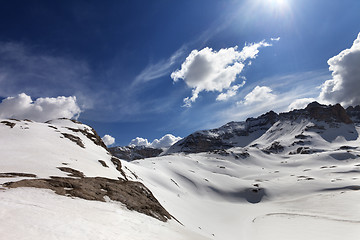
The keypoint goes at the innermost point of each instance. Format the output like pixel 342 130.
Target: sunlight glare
pixel 277 3
pixel 278 7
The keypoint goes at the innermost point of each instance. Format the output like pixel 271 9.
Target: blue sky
pixel 117 58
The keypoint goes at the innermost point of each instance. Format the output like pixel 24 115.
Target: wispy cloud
pixel 159 69
pixel 232 91
pixel 275 39
pixel 23 69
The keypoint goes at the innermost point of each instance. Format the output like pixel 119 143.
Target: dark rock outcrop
pixel 354 113
pixel 327 113
pixel 134 195
pixel 129 153
pixel 226 136
pixel 275 147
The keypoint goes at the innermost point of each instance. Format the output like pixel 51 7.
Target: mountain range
pixel 263 178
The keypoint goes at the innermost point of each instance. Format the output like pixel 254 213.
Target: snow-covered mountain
pixel 241 134
pixel 292 175
pixel 297 176
pixel 49 172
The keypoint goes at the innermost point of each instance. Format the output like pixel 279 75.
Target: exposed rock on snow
pixel 241 134
pixel 258 179
pixel 130 153
pixel 354 113
pixel 274 148
pixel 230 135
pixel 134 195
pixel 40 155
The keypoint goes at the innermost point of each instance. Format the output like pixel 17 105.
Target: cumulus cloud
pixel 258 95
pixel 164 142
pixel 138 141
pixel 300 103
pixel 210 70
pixel 108 140
pixel 42 109
pixel 230 92
pixel 345 83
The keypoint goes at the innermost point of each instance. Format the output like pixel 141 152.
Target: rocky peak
pixel 328 113
pixel 129 153
pixel 239 134
pixel 229 135
pixel 265 119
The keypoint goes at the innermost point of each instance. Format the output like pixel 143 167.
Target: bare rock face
pixel 328 113
pixel 77 181
pixel 134 153
pixel 226 136
pixel 275 147
pixel 134 195
pixel 354 113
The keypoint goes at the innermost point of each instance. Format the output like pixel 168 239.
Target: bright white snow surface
pixel 305 196
pixel 39 148
pixel 36 214
pixel 243 193
pixel 33 214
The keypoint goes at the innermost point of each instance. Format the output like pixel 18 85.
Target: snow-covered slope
pixel 50 171
pixel 246 193
pixel 43 148
pixel 281 176
pixel 299 180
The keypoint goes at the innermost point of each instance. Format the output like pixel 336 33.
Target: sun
pixel 277 3
pixel 277 7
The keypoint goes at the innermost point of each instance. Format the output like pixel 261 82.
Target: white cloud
pixel 259 95
pixel 210 70
pixel 164 142
pixel 275 39
pixel 159 69
pixel 345 83
pixel 42 109
pixel 108 140
pixel 138 141
pixel 232 91
pixel 300 103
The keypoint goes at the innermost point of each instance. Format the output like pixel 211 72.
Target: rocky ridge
pixel 130 153
pixel 240 134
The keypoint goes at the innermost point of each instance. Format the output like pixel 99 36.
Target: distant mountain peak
pixel 241 134
pixel 328 113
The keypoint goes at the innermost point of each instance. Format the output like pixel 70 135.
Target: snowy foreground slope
pixel 299 180
pixel 297 176
pixel 50 171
